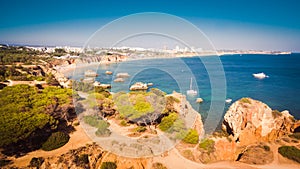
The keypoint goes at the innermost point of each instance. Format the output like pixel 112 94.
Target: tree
pixel 168 121
pixel 192 137
pixel 23 111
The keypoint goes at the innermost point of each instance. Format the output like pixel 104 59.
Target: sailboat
pixel 191 92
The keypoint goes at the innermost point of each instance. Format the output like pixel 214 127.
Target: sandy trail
pixel 77 139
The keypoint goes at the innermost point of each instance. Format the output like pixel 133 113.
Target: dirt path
pixel 77 139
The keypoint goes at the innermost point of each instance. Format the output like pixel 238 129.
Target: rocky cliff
pixel 251 121
pixel 190 115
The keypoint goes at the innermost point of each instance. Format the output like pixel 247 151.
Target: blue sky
pixel 230 24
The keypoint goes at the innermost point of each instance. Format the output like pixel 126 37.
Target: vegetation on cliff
pixel 29 113
pixel 56 140
pixel 11 54
pixel 108 165
pixel 290 152
pixel 99 123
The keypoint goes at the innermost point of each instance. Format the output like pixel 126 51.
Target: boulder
pixel 250 121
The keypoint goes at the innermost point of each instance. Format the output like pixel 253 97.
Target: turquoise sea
pixel 280 91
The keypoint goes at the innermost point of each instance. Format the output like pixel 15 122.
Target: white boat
pixel 260 75
pixel 228 100
pixel 191 92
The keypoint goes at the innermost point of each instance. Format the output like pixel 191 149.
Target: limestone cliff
pixel 190 115
pixel 250 121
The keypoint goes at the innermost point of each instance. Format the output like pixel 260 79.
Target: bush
pixel 142 106
pixel 103 132
pixel 124 123
pixel 168 121
pixel 4 162
pixel 82 160
pixel 108 165
pixel 295 135
pixel 36 162
pixel 290 152
pixel 207 145
pixel 192 137
pixel 97 122
pixel 158 92
pixel 245 100
pixel 266 148
pixel 158 166
pixel 140 129
pixel 56 140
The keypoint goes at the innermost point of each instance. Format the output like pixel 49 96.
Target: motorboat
pixel 260 75
pixel 228 100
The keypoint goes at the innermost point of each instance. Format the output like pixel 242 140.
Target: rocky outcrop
pixel 190 115
pixel 250 121
pixel 84 157
pixel 60 77
pixel 90 157
pixel 102 59
pixel 256 154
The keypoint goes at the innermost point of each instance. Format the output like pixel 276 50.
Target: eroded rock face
pixel 84 157
pixel 191 116
pixel 251 121
pixel 256 154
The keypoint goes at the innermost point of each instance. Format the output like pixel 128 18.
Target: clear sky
pixel 230 24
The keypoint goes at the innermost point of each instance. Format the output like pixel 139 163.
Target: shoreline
pixel 71 67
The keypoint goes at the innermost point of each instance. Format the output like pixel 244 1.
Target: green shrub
pixel 36 162
pixel 207 145
pixel 157 92
pixel 76 123
pixel 4 162
pixel 168 121
pixel 56 140
pixel 245 100
pixel 97 122
pixel 158 166
pixel 266 148
pixel 290 152
pixel 103 132
pixel 140 129
pixel 82 160
pixel 108 165
pixel 295 135
pixel 192 137
pixel 124 123
pixel 172 99
pixel 143 106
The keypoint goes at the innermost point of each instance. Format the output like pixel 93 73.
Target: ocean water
pixel 280 91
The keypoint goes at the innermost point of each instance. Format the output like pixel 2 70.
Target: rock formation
pixel 191 116
pixel 89 157
pixel 256 154
pixel 251 121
